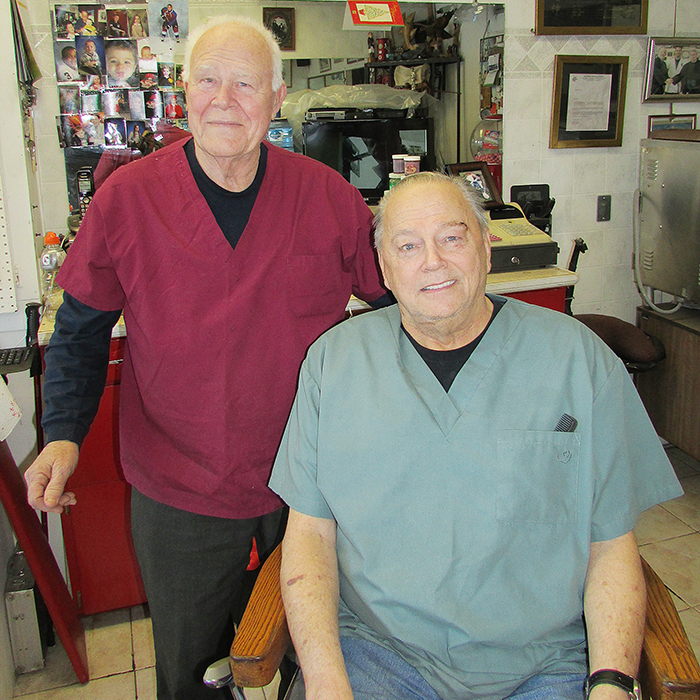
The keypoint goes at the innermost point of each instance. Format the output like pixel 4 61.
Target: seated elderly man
pixel 464 473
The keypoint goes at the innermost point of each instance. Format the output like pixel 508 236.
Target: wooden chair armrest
pixel 262 637
pixel 668 667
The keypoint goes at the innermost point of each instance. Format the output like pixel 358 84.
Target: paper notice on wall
pixel 588 107
pixel 9 411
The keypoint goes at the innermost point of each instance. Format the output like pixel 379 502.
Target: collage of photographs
pixel 115 73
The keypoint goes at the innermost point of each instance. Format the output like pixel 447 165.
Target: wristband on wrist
pixel 612 677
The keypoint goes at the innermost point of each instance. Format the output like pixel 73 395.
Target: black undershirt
pixel 445 364
pixel 230 209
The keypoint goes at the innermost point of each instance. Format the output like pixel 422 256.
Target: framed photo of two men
pixel 672 70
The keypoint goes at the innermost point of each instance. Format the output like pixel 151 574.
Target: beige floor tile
pixel 254 694
pixel 142 636
pixel 687 506
pixel 108 640
pixel 680 605
pixel 57 673
pixel 683 461
pixel 677 562
pixel 658 524
pixel 119 687
pixel 691 621
pixel 146 683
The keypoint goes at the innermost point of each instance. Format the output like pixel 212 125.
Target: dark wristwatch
pixel 611 677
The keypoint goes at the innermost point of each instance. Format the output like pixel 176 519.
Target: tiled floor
pixel 120 643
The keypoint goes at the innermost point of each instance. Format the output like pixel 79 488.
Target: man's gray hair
pixel 236 21
pixel 471 198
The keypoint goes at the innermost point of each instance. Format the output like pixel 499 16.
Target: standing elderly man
pixel 228 257
pixel 464 473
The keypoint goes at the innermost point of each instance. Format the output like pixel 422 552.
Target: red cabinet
pixel 104 573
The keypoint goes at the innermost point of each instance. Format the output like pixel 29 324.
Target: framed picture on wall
pixel 583 17
pixel 478 175
pixel 672 70
pixel 588 104
pixel 335 79
pixel 280 21
pixel 664 122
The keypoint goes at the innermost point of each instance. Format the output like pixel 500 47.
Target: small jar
pixel 411 164
pixel 398 162
pixel 395 178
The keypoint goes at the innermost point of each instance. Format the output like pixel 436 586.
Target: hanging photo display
pixel 116 70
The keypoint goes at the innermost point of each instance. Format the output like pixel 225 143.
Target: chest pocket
pixel 315 285
pixel 537 476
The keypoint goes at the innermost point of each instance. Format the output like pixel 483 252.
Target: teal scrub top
pixel 464 520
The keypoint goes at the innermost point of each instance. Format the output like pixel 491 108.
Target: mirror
pixel 322 54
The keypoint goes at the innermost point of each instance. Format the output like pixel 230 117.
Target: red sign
pixel 387 13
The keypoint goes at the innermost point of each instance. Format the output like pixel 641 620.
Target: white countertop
pixel 496 283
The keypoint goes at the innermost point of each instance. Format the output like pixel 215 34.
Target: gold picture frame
pixel 588 102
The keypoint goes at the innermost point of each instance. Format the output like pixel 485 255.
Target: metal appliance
pixel 667 236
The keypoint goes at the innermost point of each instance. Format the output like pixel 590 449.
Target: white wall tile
pixel 524 172
pixel 688 18
pixel 621 173
pixel 662 17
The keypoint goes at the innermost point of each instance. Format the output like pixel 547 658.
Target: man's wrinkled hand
pixel 46 477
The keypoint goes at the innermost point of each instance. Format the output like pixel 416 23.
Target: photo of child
pixel 66 62
pixel 80 130
pixel 148 80
pixel 168 20
pixel 138 24
pixel 90 101
pixel 116 23
pixel 65 17
pixel 154 104
pixel 137 104
pixel 85 22
pixel 166 74
pixel 174 105
pixel 122 63
pixel 115 132
pixel 134 131
pixel 90 55
pixel 68 98
pixel 115 102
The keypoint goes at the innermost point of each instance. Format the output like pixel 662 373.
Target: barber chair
pixel 669 669
pixel 640 352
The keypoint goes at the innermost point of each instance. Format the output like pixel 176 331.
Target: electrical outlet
pixel 604 206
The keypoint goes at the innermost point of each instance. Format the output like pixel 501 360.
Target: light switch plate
pixel 604 206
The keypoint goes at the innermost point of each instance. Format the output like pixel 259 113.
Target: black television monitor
pixel 361 150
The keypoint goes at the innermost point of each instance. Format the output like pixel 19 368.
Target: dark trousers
pixel 194 572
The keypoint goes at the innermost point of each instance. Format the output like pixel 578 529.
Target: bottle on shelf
pixel 51 258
